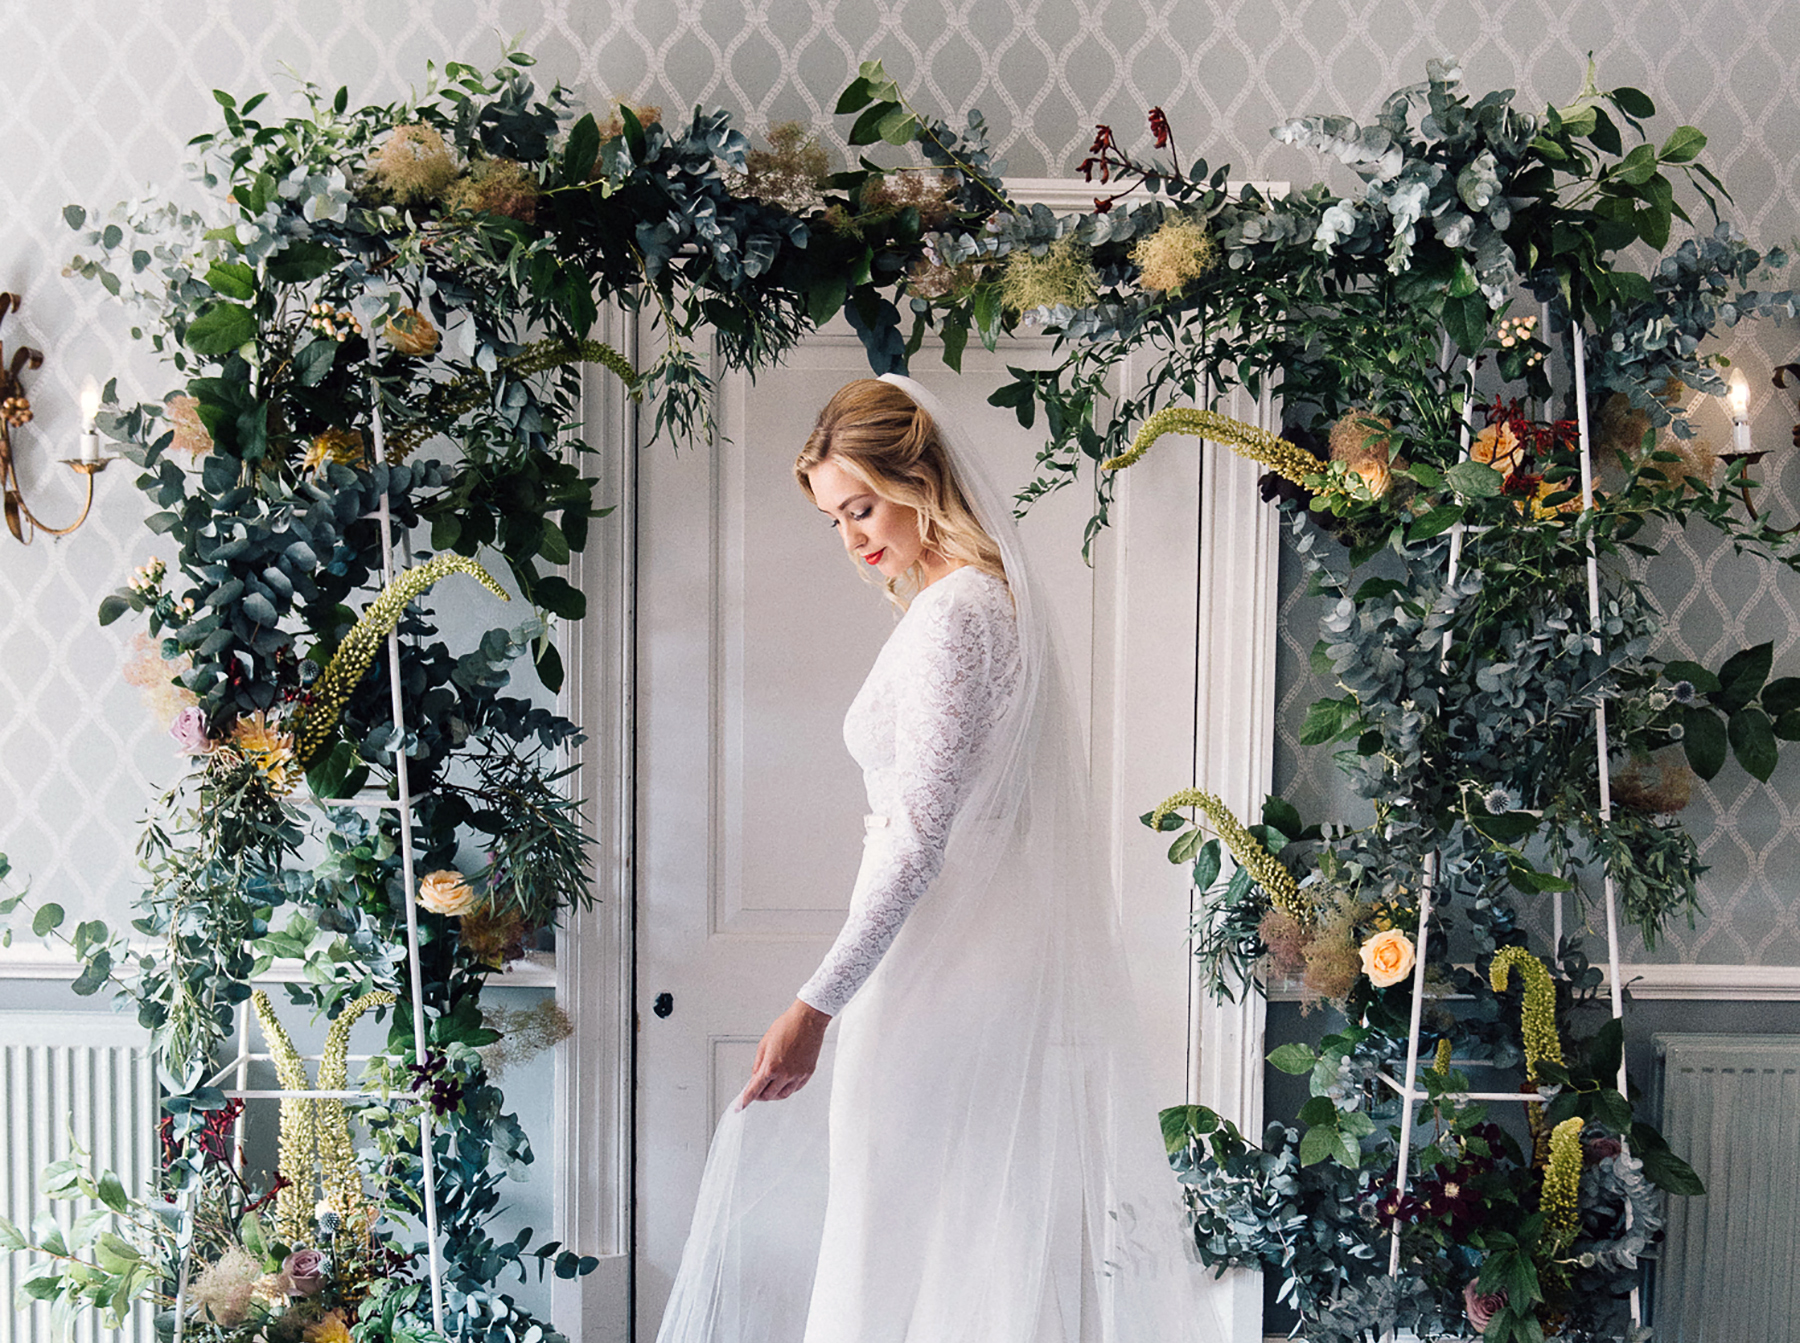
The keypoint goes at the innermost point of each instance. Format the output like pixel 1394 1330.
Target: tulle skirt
pixel 989 1166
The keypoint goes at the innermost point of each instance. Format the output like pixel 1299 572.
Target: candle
pixel 1739 398
pixel 90 406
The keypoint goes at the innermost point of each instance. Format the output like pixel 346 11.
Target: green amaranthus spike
pixel 1246 440
pixel 297 1143
pixel 317 720
pixel 448 402
pixel 338 1173
pixel 1562 1184
pixel 1268 870
pixel 1538 1015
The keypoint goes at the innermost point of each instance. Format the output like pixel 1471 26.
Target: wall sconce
pixel 15 413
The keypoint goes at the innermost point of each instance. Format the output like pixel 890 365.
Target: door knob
pixel 664 1004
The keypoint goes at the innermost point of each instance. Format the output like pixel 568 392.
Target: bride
pixel 993 1170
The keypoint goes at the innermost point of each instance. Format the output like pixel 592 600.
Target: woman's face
pixel 877 532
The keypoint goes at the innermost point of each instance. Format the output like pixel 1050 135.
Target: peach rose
pixel 1499 447
pixel 447 892
pixel 1387 958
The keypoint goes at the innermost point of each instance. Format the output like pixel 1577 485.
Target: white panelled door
pixel 754 632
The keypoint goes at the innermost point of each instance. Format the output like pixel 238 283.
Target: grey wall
pixel 102 94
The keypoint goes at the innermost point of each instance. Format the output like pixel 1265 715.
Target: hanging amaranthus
pixel 1562 1184
pixel 1538 1014
pixel 332 690
pixel 1268 870
pixel 298 1141
pixel 338 1173
pixel 1246 440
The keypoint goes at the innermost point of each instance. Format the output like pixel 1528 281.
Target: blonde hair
pixel 880 436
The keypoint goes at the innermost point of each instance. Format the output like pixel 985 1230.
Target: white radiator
pixel 80 1075
pixel 1731 1270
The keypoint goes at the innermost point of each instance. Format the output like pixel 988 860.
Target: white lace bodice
pixel 919 727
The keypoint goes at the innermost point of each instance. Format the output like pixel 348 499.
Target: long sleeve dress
pixel 996 1172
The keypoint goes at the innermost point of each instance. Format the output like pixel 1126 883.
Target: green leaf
pixel 47 920
pixel 867 128
pixel 635 141
pixel 1787 727
pixel 955 337
pixel 1632 103
pixel 115 1254
pixel 1182 1123
pixel 94 974
pixel 74 216
pixel 855 96
pixel 1328 720
pixel 1509 827
pixel 1474 480
pixel 1207 864
pixel 221 328
pixel 1781 695
pixel 1279 814
pixel 1680 670
pixel 250 1233
pixel 581 149
pixel 111 608
pixel 11 1238
pixel 314 360
pixel 1186 846
pixel 825 297
pixel 301 262
pixel 1466 319
pixel 1606 1049
pixel 1752 738
pixel 549 666
pixel 1683 145
pixel 1320 1144
pixel 1294 1058
pixel 1319 1112
pixel 1743 675
pixel 1613 1110
pixel 233 279
pixel 1667 1171
pixel 1439 520
pixel 1704 741
pixel 555 595
pixel 899 126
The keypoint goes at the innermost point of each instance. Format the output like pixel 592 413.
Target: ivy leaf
pixel 1752 739
pixel 1704 741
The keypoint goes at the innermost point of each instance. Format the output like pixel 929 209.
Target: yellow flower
pixel 328 1329
pixel 1268 870
pixel 342 446
pixel 1179 252
pixel 1246 440
pixel 1499 447
pixel 1562 1182
pixel 447 892
pixel 191 435
pixel 1538 1013
pixel 268 748
pixel 411 332
pixel 1387 958
pixel 1441 1064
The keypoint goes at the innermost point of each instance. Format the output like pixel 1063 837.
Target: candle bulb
pixel 90 406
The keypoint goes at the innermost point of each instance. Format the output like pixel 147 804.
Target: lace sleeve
pixel 950 688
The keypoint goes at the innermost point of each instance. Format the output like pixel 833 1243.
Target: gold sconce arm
pixel 15 413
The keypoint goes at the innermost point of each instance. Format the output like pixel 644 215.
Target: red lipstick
pixel 876 557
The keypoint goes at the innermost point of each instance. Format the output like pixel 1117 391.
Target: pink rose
pixel 189 731
pixel 1481 1307
pixel 304 1271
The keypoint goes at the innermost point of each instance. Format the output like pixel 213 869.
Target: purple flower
pixel 304 1272
pixel 1481 1307
pixel 189 731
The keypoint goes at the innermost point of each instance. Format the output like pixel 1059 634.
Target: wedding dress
pixel 981 1162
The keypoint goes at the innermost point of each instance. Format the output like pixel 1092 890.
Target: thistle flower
pixel 332 690
pixel 1562 1183
pixel 1062 276
pixel 1264 866
pixel 1246 440
pixel 413 165
pixel 343 447
pixel 1538 1015
pixel 1683 692
pixel 339 1175
pixel 269 749
pixel 297 1141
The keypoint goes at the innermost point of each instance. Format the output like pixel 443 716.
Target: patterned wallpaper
pixel 102 94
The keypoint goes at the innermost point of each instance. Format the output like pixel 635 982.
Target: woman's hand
pixel 788 1054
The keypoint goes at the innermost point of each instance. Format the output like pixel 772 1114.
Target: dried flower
pixel 1481 1307
pixel 413 165
pixel 1657 786
pixel 791 173
pixel 1331 959
pixel 1178 253
pixel 191 433
pixel 1538 1015
pixel 411 333
pixel 269 749
pixel 447 892
pixel 223 1290
pixel 305 1272
pixel 154 676
pixel 342 447
pixel 1387 958
pixel 1062 276
pixel 1286 939
pixel 493 936
pixel 523 1034
pixel 1361 436
pixel 496 187
pixel 614 125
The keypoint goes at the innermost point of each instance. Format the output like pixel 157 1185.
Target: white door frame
pixel 1189 510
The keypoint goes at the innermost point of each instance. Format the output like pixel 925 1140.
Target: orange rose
pixel 1499 447
pixel 447 892
pixel 1387 958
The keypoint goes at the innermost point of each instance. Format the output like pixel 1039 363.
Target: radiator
pixel 85 1076
pixel 1731 1270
